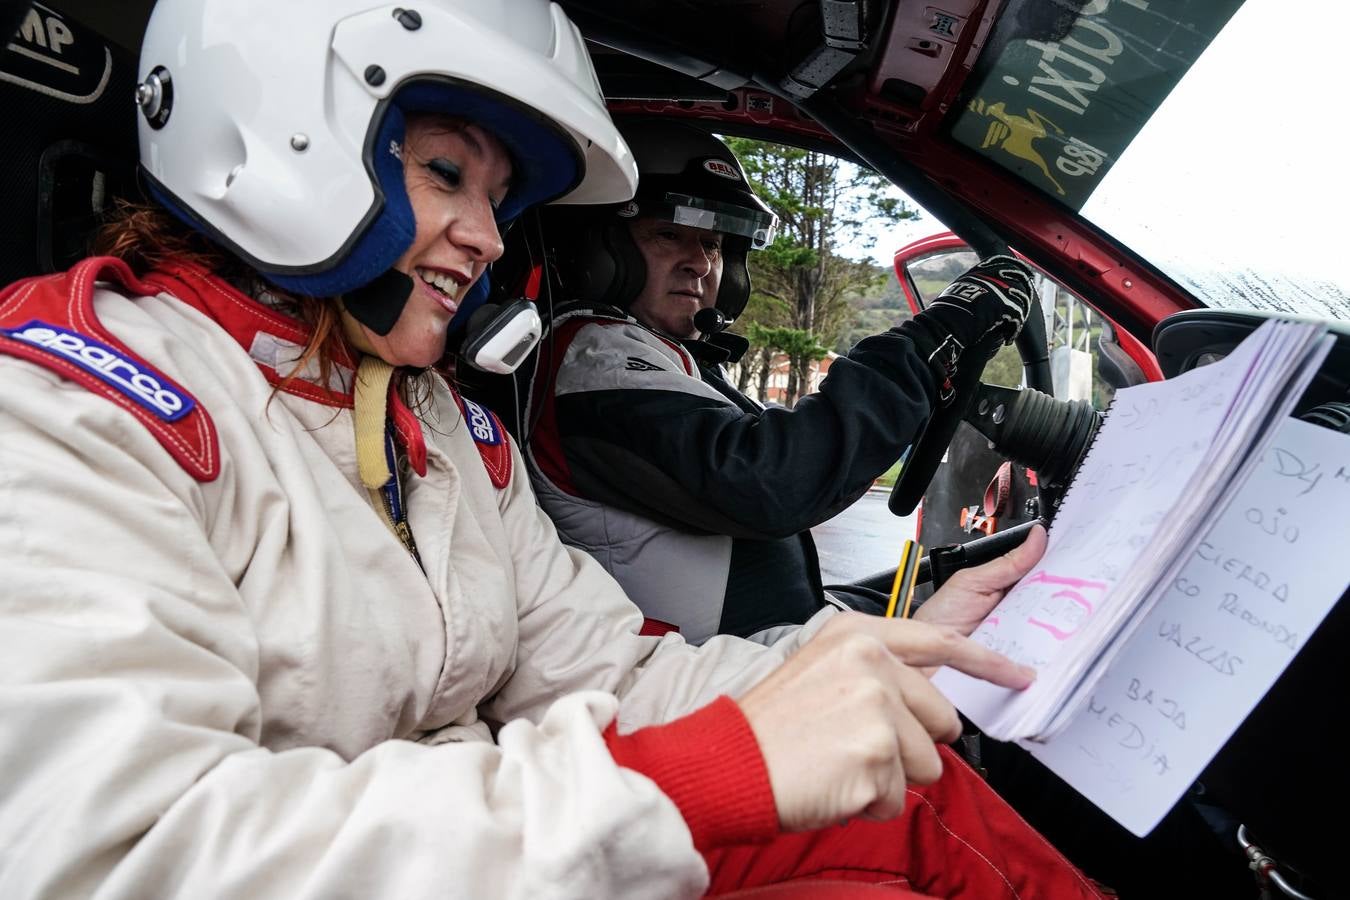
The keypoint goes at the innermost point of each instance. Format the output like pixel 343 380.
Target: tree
pixel 798 345
pixel 800 281
pixel 757 323
pixel 873 310
pixel 769 341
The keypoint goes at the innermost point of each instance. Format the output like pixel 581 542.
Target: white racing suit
pixel 245 686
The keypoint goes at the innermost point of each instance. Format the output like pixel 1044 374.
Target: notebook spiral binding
pixel 1083 456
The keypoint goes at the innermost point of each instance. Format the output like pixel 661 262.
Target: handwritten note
pixel 1164 464
pixel 1183 572
pixel 1115 507
pixel 1260 581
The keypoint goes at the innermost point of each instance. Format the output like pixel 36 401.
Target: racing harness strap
pixel 984 518
pixel 996 494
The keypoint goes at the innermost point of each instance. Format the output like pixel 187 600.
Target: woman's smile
pixel 456 175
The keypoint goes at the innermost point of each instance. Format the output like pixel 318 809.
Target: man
pixel 694 496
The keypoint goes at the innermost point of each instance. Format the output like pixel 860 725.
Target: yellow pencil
pixel 912 579
pixel 906 575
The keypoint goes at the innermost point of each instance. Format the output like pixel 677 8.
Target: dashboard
pixel 1185 340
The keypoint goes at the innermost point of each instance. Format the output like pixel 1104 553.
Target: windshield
pixel 1206 136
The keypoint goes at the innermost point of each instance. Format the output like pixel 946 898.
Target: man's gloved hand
pixel 992 298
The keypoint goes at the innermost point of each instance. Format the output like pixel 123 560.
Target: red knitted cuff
pixel 709 763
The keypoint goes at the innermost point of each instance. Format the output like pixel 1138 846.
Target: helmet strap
pixel 734 291
pixel 370 414
pixel 378 304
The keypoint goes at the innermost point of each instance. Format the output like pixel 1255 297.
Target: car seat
pixel 70 142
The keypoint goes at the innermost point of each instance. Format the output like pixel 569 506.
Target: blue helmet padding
pixel 380 246
pixel 544 165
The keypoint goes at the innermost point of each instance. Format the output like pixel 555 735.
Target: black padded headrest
pixel 69 145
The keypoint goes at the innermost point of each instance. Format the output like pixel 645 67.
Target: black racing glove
pixel 992 298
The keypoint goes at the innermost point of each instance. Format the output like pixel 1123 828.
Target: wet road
pixel 861 540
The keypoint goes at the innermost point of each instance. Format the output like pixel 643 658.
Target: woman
pixel 281 618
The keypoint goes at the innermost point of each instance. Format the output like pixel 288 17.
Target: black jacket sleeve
pixel 640 433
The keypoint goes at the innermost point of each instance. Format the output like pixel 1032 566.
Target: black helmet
pixel 685 176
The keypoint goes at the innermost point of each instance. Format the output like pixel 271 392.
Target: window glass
pixel 1073 327
pixel 1200 134
pixel 1062 88
pixel 931 274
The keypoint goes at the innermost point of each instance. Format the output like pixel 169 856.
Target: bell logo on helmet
pixel 722 168
pixel 132 378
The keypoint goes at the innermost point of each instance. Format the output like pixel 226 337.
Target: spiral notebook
pixel 1178 580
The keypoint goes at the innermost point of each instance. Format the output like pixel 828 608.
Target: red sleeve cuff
pixel 709 764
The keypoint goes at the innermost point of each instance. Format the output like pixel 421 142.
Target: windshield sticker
pixel 1059 94
pixel 1017 135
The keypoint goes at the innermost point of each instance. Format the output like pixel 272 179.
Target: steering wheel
pixel 925 454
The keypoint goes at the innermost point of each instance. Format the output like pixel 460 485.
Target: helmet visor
pixel 727 218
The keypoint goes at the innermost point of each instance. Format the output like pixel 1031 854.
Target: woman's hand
pixel 969 595
pixel 850 719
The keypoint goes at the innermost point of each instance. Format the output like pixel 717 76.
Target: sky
pixel 890 237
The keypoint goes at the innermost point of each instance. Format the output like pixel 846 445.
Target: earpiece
pixel 499 337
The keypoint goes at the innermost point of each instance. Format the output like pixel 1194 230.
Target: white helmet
pixel 272 127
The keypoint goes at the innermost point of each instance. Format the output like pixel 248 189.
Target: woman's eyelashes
pixel 446 171
pixel 449 175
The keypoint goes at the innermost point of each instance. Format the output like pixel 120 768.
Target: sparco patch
pixel 485 430
pixel 490 439
pixel 135 379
